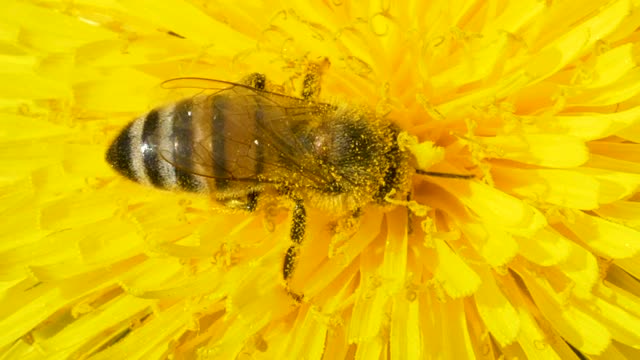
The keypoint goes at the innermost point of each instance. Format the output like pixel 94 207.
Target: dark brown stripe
pixel 259 153
pixel 218 143
pixel 150 154
pixel 182 139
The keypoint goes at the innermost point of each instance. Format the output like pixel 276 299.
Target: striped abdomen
pixel 199 145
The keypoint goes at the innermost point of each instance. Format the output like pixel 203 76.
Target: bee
pixel 240 142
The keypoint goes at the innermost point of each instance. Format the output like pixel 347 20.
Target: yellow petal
pixel 78 210
pixel 604 237
pixel 93 326
pixel 612 65
pixel 627 352
pixel 29 303
pixel 97 94
pixel 54 248
pixel 405 335
pixel 622 287
pixel 370 308
pixel 24 226
pixel 624 212
pixel 481 342
pixel 632 133
pixel 631 265
pixel 444 328
pixel 497 208
pixel 54 179
pixel 426 153
pixel 51 31
pixel 495 245
pixel 187 20
pixel 455 276
pixel 497 313
pixel 369 349
pixel 176 285
pixel 514 16
pixel 555 151
pixel 614 185
pixel 394 264
pixel 546 248
pixel 622 151
pixel 329 270
pixel 25 310
pixel 581 267
pixel 245 314
pixel 581 36
pixel 608 163
pixel 21 127
pixel 535 341
pixel 144 279
pixel 142 51
pixel 337 345
pixel 617 351
pixel 552 186
pixel 39 87
pixel 486 53
pixel 623 326
pixel 9 37
pixel 615 93
pixel 307 340
pixel 613 353
pixel 77 161
pixel 577 327
pixel 562 46
pixel 586 126
pixel 147 340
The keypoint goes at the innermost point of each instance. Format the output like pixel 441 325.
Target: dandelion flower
pixel 537 257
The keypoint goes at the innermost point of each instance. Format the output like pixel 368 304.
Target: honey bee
pixel 241 142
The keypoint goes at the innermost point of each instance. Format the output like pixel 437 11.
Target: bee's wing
pixel 211 86
pixel 234 133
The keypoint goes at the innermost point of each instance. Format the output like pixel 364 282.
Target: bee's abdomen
pixel 181 145
pixel 145 151
pixel 154 170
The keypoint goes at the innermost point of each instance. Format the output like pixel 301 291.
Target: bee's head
pixel 351 153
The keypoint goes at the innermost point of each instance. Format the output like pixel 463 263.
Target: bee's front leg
pixel 256 80
pixel 311 84
pixel 298 226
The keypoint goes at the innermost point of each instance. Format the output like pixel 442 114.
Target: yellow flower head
pixel 536 257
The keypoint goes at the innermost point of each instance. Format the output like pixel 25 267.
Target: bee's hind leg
pixel 247 203
pixel 298 226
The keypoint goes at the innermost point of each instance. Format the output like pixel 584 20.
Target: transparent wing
pixel 234 133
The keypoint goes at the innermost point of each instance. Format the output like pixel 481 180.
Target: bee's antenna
pixel 444 175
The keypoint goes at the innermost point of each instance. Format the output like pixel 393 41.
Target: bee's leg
pixel 311 84
pixel 248 203
pixel 256 80
pixel 252 201
pixel 298 225
pixel 409 217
